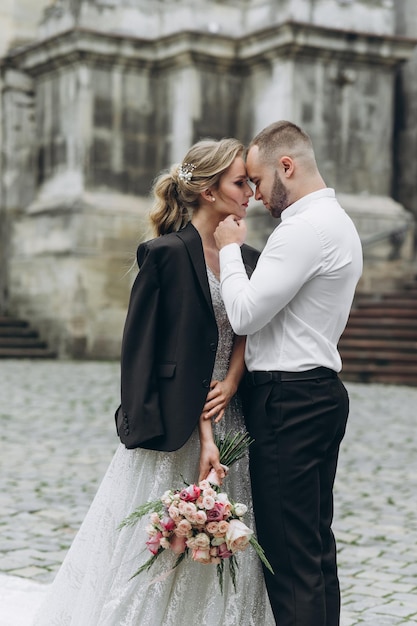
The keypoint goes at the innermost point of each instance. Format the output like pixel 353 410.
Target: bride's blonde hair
pixel 176 192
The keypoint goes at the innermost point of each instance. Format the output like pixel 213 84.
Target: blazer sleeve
pixel 139 417
pixel 250 258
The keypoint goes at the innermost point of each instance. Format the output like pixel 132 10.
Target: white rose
pixel 237 535
pixel 240 509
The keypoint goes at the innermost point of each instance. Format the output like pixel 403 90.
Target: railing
pixel 395 237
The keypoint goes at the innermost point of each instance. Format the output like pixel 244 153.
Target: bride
pixel 180 369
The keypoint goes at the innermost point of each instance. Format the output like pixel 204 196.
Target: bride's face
pixel 233 192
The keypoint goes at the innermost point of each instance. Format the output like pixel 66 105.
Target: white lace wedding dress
pixel 92 588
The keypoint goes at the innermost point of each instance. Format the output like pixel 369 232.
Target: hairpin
pixel 185 171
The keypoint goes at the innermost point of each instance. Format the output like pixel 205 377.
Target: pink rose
pixel 183 528
pixel 238 535
pixel 201 541
pixel 166 497
pixel 200 518
pixel 208 502
pixel 155 518
pixel 216 513
pixel 189 510
pixel 190 542
pixel 223 526
pixel 177 544
pixel 213 477
pixel 222 497
pixel 202 555
pixel 199 502
pixel 181 506
pixel 154 543
pixel 152 530
pixel 167 523
pixel 174 513
pixel 190 494
pixel 212 527
pixel 223 552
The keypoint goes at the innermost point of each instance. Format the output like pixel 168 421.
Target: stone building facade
pixel 100 95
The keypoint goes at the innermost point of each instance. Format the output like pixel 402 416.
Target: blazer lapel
pixel 192 241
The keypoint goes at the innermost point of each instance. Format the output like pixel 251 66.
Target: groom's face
pixel 269 187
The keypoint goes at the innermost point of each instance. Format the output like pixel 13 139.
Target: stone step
pixel 17 331
pixel 385 333
pixel 356 321
pixel 12 322
pixel 378 356
pixel 384 311
pixel 18 340
pixel 386 305
pixel 406 293
pixel 22 342
pixel 378 344
pixel 378 375
pixel 26 353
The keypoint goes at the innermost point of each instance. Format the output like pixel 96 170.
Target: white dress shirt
pixel 296 304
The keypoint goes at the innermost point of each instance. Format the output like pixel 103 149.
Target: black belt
pixel 262 377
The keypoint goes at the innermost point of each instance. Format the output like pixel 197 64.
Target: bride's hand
pixel 219 396
pixel 210 458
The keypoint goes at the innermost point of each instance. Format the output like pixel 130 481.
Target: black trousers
pixel 297 426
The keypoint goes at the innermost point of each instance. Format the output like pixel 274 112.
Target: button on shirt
pixel 296 304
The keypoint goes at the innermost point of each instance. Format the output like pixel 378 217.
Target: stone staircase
pixel 19 341
pixel 379 344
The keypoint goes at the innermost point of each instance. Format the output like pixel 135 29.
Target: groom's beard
pixel 279 197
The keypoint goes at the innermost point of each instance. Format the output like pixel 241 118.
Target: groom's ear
pixel 286 165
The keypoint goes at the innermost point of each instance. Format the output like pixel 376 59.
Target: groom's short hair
pixel 283 137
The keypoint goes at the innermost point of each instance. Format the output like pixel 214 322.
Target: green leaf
pixel 233 566
pixel 260 552
pixel 180 558
pixel 148 564
pixel 233 447
pixel 220 573
pixel 143 509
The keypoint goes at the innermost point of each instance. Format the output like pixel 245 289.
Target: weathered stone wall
pixel 112 91
pixel 73 271
pixel 18 24
pixel 405 149
pixel 157 18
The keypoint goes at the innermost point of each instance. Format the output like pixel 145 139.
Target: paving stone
pixel 64 438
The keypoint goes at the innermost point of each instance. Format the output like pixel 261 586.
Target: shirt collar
pixel 303 203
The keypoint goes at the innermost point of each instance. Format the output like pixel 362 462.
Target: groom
pixel 293 310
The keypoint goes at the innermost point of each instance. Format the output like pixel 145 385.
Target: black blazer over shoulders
pixel 169 342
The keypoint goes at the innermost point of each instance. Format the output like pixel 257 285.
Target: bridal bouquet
pixel 200 520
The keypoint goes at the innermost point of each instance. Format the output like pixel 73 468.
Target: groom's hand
pixel 230 230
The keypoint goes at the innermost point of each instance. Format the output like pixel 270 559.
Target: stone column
pixel 17 179
pixel 405 147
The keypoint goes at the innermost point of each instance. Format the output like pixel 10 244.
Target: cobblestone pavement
pixel 58 437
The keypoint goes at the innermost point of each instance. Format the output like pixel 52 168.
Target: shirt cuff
pixel 229 253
